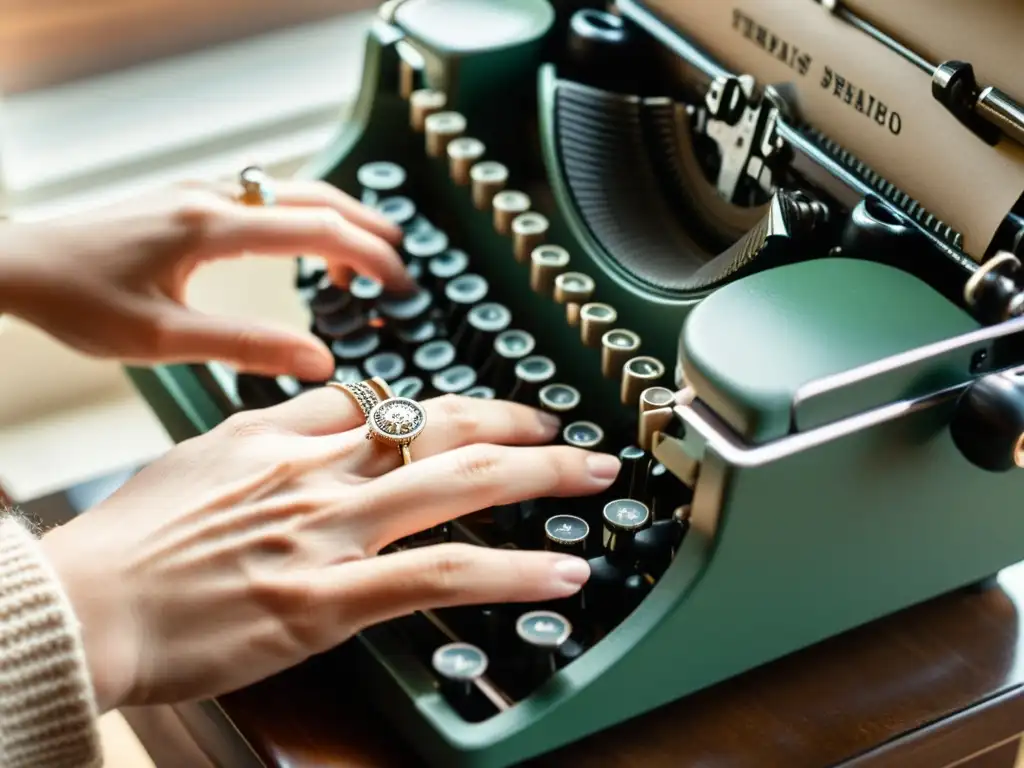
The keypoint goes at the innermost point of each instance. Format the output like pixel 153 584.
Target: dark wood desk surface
pixel 933 686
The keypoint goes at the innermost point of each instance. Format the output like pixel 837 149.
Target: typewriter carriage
pixel 835 509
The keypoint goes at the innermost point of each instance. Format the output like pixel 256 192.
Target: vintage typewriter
pixel 766 251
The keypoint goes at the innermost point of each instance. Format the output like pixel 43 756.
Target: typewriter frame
pixel 695 627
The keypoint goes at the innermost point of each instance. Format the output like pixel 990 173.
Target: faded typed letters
pixel 802 62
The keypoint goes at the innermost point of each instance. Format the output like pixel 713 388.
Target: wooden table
pixel 938 685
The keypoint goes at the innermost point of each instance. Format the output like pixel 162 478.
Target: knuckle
pixel 451 568
pixel 457 415
pixel 478 462
pixel 245 424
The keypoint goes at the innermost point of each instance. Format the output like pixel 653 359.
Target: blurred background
pixel 99 100
pixel 104 98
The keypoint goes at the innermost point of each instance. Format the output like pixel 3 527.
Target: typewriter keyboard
pixel 454 335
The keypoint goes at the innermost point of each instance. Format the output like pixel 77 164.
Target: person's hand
pixel 111 282
pixel 250 548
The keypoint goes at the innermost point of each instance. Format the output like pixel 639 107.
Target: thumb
pixel 190 336
pixel 388 586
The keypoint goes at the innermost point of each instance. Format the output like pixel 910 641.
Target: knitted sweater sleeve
pixel 48 716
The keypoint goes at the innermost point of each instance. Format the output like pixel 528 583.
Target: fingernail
pixel 572 571
pixel 602 466
pixel 549 422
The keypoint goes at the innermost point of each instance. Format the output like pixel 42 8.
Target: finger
pixel 397 584
pixel 321 411
pixel 441 488
pixel 321 232
pixel 301 193
pixel 187 336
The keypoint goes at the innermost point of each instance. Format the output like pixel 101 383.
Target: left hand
pixel 111 282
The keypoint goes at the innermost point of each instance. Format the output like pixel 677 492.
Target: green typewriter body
pixel 815 422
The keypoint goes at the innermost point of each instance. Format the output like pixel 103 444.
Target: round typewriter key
pixel 509 347
pixel 425 243
pixel 434 356
pixel 340 325
pixel 386 365
pixel 452 381
pixel 508 203
pixel 617 347
pixel 546 263
pixel 595 320
pixel 626 515
pixel 400 211
pixel 409 387
pixel 463 152
pixel 488 178
pixel 381 177
pixel 514 344
pixel 528 231
pixel 447 266
pixel 365 288
pixel 573 289
pixel 356 347
pixel 532 373
pixel 480 392
pixel 415 335
pixel 656 397
pixel 483 324
pixel 583 434
pixel 638 374
pixel 566 533
pixel 462 293
pixel 460 661
pixel 347 374
pixel 329 298
pixel 559 399
pixel 422 103
pixel 441 128
pixel 543 629
pixel 405 308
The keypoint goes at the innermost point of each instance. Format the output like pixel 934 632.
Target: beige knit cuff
pixel 48 716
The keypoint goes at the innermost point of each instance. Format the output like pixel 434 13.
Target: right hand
pixel 248 549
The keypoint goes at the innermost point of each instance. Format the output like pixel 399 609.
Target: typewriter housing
pixel 827 345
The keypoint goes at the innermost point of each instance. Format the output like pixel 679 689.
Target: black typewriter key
pixel 510 347
pixel 405 308
pixel 400 211
pixel 347 374
pixel 567 534
pixel 583 434
pixel 454 380
pixel 559 399
pixel 446 267
pixel 340 325
pixel 307 273
pixel 365 291
pixel 483 324
pixel 329 299
pixel 631 482
pixel 623 519
pixel 532 374
pixel 424 243
pixel 387 365
pixel 544 633
pixel 409 387
pixel 655 547
pixel 412 336
pixel 480 392
pixel 459 665
pixel 462 293
pixel 434 356
pixel 617 347
pixel 379 179
pixel 356 347
pixel 639 374
pixel 596 320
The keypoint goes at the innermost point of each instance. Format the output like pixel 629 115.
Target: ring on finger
pixel 257 188
pixel 367 394
pixel 397 421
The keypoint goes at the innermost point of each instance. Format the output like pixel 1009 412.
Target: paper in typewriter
pixel 874 103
